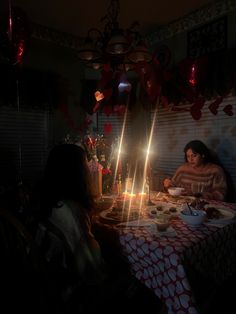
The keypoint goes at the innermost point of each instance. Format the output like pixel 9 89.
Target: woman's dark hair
pixel 200 148
pixel 66 177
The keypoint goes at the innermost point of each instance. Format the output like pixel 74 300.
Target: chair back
pixel 16 243
pixel 21 266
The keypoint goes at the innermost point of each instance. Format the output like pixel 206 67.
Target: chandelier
pixel 120 49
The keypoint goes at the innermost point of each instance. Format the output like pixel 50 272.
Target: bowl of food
pixel 193 216
pixel 105 202
pixel 175 191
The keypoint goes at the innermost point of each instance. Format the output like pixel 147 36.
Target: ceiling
pixel 76 17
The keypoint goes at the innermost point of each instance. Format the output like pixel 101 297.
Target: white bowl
pixel 175 191
pixel 196 218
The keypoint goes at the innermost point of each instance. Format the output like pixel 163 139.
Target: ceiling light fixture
pixel 119 48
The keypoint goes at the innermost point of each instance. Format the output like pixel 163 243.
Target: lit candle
pixel 132 198
pixel 141 198
pixel 142 195
pixel 125 194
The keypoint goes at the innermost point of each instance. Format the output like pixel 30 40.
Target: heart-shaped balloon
pixel 119 110
pixel 18 34
pixel 213 107
pixel 107 128
pixel 99 95
pixel 228 109
pixel 107 110
pixel 196 113
pixel 196 108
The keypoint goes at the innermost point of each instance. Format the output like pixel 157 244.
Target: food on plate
pixel 104 203
pixel 213 213
pixel 122 215
pixel 166 212
pixel 167 198
pixel 198 203
pixel 173 209
pixel 154 212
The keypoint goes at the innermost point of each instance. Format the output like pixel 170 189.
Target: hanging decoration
pixel 70 122
pixel 15 34
pixel 112 92
pixel 107 128
pixel 214 106
pixel 194 82
pixel 196 108
pixel 228 109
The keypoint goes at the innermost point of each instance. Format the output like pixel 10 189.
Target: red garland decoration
pixel 228 109
pixel 196 108
pixel 213 107
pixel 70 121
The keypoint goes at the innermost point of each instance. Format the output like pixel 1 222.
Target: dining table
pixel 164 260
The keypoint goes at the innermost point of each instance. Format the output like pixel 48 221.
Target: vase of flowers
pixel 105 151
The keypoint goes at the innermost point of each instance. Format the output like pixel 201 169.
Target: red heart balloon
pixel 107 110
pixel 19 35
pixel 213 107
pixel 228 109
pixel 119 110
pixel 107 128
pixel 195 112
pixel 196 108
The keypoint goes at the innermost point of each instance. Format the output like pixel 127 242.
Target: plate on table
pixel 105 202
pixel 161 208
pixel 178 200
pixel 217 214
pixel 115 215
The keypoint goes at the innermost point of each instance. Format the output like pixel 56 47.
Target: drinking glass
pixel 197 189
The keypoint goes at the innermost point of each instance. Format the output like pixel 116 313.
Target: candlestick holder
pixel 149 202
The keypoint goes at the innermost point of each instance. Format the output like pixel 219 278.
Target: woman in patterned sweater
pixel 199 176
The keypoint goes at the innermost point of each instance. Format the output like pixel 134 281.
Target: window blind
pixel 24 140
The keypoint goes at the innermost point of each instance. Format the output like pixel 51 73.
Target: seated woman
pixel 65 217
pixel 199 175
pixel 66 202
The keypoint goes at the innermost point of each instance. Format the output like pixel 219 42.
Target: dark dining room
pixel 118 156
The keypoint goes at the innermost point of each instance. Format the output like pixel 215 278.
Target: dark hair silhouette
pixel 200 148
pixel 66 177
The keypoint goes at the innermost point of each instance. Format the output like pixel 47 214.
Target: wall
pixel 53 58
